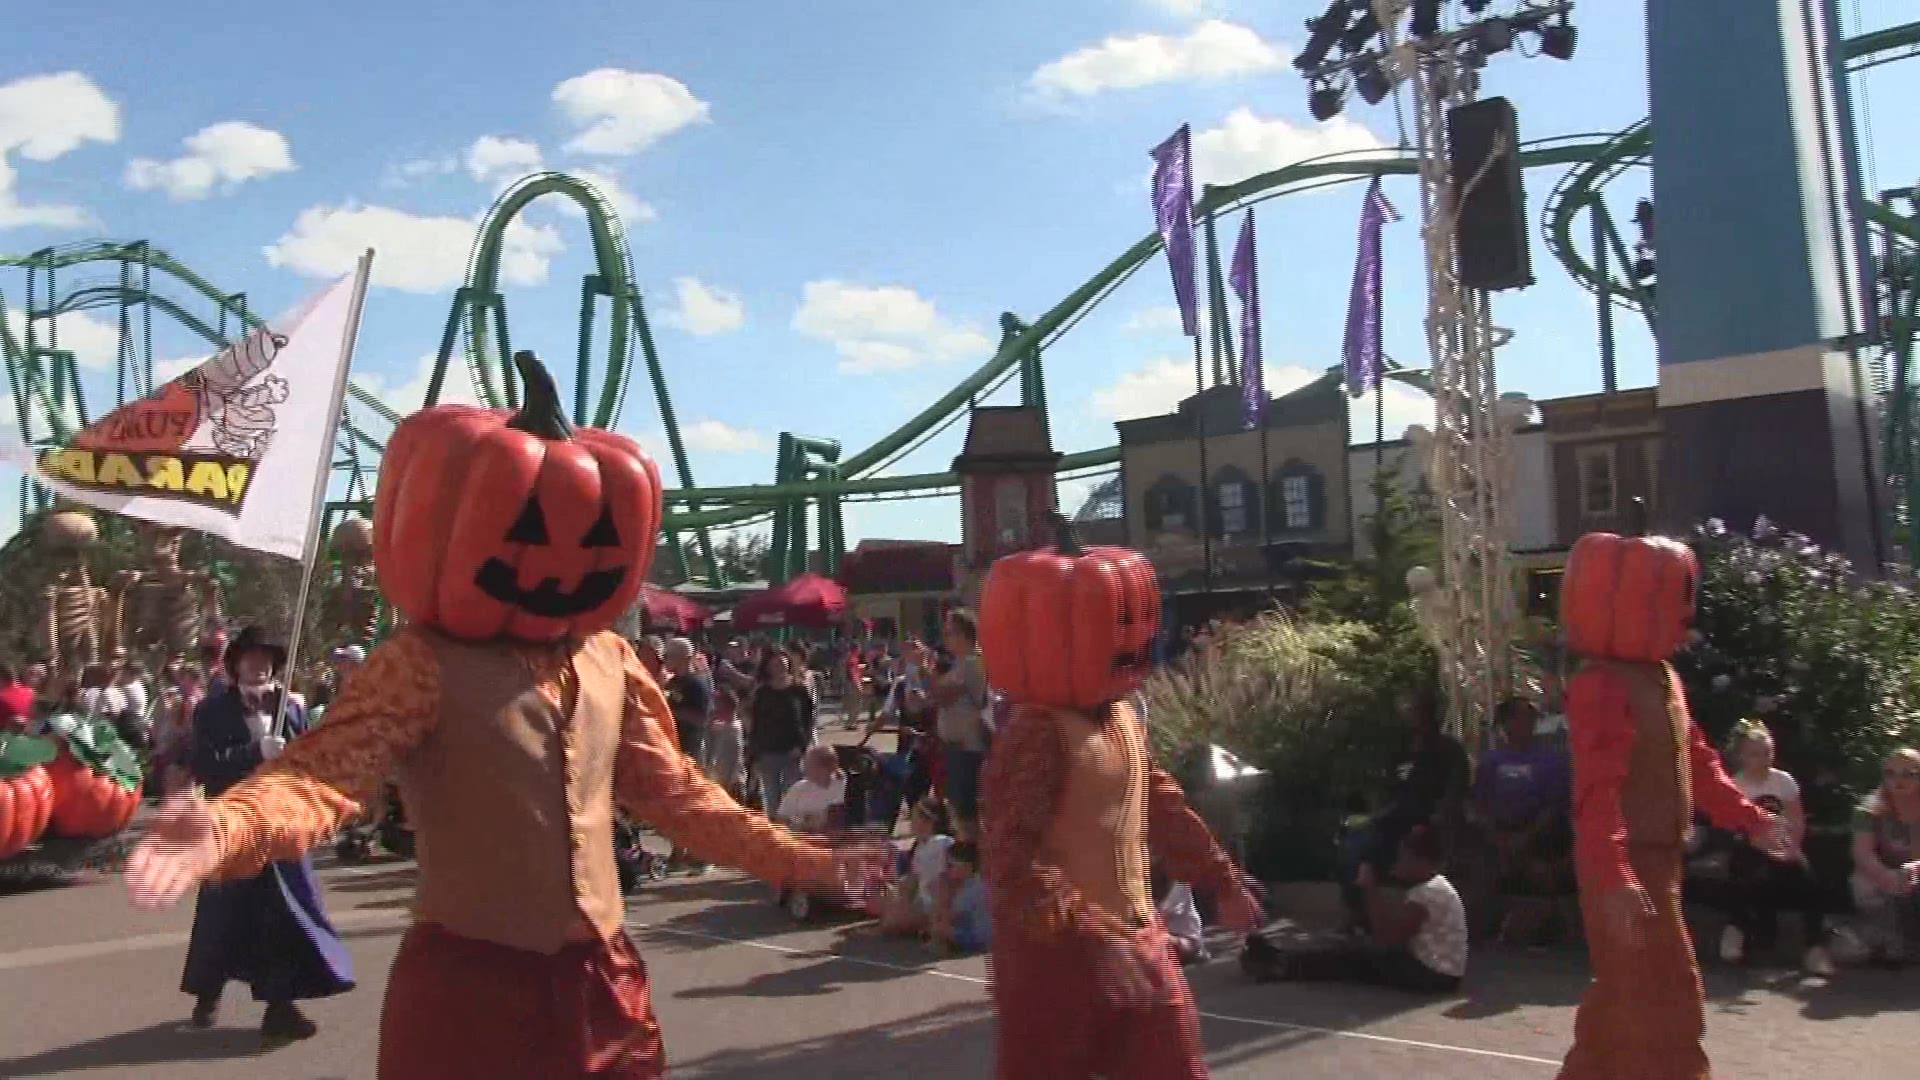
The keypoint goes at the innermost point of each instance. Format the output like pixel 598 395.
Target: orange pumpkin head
pixel 489 525
pixel 1628 597
pixel 1068 627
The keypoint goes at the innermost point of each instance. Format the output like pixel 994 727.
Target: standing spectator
pixel 1428 787
pixel 213 652
pixel 1760 885
pixel 690 696
pixel 726 738
pixel 960 695
pixel 779 729
pixel 270 930
pixel 652 652
pixel 1886 860
pixel 16 701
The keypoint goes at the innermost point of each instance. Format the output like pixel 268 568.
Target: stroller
pixel 389 829
pixel 634 863
pixel 868 789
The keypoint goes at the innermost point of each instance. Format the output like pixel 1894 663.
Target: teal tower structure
pixel 1764 305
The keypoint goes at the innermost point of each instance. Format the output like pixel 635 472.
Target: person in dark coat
pixel 269 931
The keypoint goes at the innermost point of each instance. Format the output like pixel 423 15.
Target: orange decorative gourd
pixel 489 525
pixel 26 795
pixel 1068 627
pixel 88 803
pixel 1628 597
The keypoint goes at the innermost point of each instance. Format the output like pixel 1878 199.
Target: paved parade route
pixel 88 987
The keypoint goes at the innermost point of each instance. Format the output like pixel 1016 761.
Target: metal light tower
pixel 1470 468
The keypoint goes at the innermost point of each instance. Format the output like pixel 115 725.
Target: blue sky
pixel 829 204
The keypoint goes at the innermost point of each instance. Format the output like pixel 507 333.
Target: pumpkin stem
pixel 1063 539
pixel 1637 516
pixel 540 414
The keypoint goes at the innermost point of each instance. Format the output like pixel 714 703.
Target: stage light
pixel 1326 102
pixel 1323 33
pixel 1361 32
pixel 1475 7
pixel 1372 81
pixel 1559 40
pixel 1496 36
pixel 1426 19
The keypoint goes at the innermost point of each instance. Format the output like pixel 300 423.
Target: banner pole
pixel 322 475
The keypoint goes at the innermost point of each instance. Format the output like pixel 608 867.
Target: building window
pixel 1010 511
pixel 1296 502
pixel 1169 505
pixel 1599 482
pixel 1298 498
pixel 1233 503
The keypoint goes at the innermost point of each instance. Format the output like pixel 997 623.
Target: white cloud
pixel 44 117
pixel 413 253
pixel 220 156
pixel 719 437
pixel 624 112
pixel 1210 51
pixel 93 341
pixel 1160 385
pixel 1248 145
pixel 1185 9
pixel 406 396
pixel 408 172
pixel 1162 321
pixel 632 210
pixel 883 328
pixel 501 159
pixel 703 310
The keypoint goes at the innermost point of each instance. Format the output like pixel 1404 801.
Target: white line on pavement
pixel 1277 1025
pixel 89 950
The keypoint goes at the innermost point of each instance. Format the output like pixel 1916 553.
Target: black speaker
pixel 1483 143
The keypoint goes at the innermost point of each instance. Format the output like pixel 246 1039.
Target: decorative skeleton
pixel 352 611
pixel 76 608
pixel 240 416
pixel 162 606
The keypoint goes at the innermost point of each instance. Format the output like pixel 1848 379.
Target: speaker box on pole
pixel 1483 147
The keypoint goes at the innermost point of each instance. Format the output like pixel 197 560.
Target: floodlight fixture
pixel 1495 36
pixel 1364 29
pixel 1426 19
pixel 1558 40
pixel 1326 102
pixel 1323 33
pixel 1372 81
pixel 1475 7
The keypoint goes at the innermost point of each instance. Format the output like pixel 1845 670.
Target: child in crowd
pixel 962 923
pixel 817 801
pixel 1174 899
pixel 1418 942
pixel 909 905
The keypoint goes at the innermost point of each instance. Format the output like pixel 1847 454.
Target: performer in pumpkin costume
pixel 1640 766
pixel 516 721
pixel 1085 979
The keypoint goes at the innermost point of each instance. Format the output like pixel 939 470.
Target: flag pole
pixel 322 475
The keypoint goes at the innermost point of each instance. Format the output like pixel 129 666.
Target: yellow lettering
pixel 237 476
pixel 166 474
pixel 209 481
pixel 77 465
pixel 118 470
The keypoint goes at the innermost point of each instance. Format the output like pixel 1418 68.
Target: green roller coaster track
pixel 49 399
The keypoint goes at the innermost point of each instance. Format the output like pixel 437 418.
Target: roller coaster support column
pixel 1764 401
pixel 1900 282
pixel 801 458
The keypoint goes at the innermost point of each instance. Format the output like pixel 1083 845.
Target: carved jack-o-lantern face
pixel 489 526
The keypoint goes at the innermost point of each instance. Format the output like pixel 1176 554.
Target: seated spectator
pixel 962 923
pixel 16 701
pixel 1886 861
pixel 909 904
pixel 1521 796
pixel 817 801
pixel 1418 940
pixel 1174 900
pixel 1757 887
pixel 1428 788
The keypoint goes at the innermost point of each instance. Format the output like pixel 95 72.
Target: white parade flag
pixel 239 447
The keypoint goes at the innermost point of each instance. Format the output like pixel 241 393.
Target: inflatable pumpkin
pixel 495 525
pixel 1067 626
pixel 26 795
pixel 1628 597
pixel 96 779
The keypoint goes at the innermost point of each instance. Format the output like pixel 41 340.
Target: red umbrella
pixel 663 607
pixel 808 600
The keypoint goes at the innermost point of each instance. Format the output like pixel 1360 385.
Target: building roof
pixel 1001 431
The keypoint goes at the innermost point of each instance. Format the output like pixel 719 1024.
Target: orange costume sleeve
pixel 654 780
pixel 300 798
pixel 1182 841
pixel 1023 779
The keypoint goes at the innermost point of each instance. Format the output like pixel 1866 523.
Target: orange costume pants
pixel 1643 1016
pixel 461 1009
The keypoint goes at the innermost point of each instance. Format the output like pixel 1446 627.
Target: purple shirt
pixel 1514 786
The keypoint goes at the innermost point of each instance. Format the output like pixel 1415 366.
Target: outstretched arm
pixel 1715 793
pixel 303 796
pixel 1177 836
pixel 1600 725
pixel 1022 783
pixel 655 781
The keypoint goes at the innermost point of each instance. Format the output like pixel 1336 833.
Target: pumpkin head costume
pixel 1085 981
pixel 1640 767
pixel 515 721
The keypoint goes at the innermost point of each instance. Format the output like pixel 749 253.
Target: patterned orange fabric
pixel 317 784
pixel 1024 778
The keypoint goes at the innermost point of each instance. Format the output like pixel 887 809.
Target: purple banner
pixel 1364 352
pixel 1245 279
pixel 1173 214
